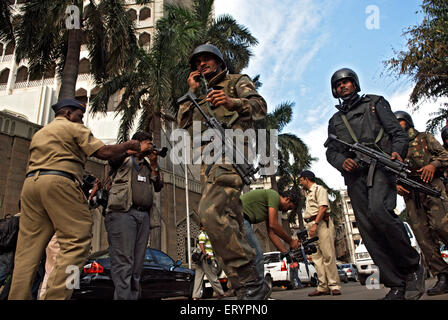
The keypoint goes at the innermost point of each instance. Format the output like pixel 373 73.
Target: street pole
pixel 186 201
pixel 349 228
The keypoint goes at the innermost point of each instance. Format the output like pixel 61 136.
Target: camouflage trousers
pixel 220 211
pixel 429 220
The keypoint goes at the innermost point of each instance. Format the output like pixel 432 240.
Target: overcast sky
pixel 303 42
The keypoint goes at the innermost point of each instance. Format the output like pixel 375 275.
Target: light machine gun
pixel 400 169
pixel 245 170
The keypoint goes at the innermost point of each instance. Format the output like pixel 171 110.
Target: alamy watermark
pixel 373 19
pixel 261 147
pixel 373 280
pixel 72 281
pixel 72 21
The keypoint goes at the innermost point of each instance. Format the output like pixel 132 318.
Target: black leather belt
pixel 51 172
pixel 308 220
pixel 143 209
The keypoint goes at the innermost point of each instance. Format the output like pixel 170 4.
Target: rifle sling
pixel 372 166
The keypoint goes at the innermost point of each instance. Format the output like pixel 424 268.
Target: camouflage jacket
pixel 424 149
pixel 250 106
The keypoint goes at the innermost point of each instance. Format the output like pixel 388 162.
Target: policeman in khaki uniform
pixel 53 202
pixel 235 102
pixel 319 223
pixel 427 215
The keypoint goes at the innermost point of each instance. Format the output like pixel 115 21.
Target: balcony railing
pixel 34 83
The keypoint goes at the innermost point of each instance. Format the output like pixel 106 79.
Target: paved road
pixel 350 291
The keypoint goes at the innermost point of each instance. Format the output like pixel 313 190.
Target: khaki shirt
pixel 316 197
pixel 62 145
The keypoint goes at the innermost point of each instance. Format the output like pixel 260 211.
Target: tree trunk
pixel 274 184
pixel 70 72
pixel 156 213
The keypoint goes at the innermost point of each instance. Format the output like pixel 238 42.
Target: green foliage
pixel 425 60
pixel 43 39
pixel 161 73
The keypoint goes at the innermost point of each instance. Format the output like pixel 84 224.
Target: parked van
pixel 364 262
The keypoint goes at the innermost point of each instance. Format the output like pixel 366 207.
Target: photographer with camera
pixel 320 224
pixel 263 205
pixel 206 265
pixel 134 179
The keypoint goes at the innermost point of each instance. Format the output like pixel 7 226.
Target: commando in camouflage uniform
pixel 428 215
pixel 220 207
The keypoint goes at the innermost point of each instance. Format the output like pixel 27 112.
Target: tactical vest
pixel 370 129
pixel 418 155
pixel 230 119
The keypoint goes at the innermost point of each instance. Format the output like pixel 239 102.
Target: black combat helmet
pixel 403 115
pixel 444 133
pixel 207 48
pixel 344 73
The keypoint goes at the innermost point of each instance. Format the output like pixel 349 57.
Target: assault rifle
pixel 245 170
pixel 306 247
pixel 400 169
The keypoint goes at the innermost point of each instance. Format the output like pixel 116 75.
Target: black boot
pixel 441 285
pixel 415 284
pixel 394 294
pixel 251 286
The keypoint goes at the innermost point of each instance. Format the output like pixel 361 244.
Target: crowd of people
pixel 55 215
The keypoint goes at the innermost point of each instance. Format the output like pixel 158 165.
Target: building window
pixel 354 225
pixel 145 13
pixel 84 66
pixel 10 48
pixel 132 14
pixel 144 39
pixel 22 74
pixel 4 75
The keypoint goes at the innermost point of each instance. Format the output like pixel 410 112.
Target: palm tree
pixel 288 144
pixel 44 37
pixel 160 77
pixel 6 28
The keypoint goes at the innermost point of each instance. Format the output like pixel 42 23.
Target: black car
pixel 161 277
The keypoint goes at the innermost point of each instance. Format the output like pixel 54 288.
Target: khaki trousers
pixel 51 205
pixel 51 254
pixel 325 257
pixel 203 268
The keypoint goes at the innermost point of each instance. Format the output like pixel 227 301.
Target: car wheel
pixel 207 292
pixel 293 284
pixel 362 279
pixel 268 279
pixel 314 281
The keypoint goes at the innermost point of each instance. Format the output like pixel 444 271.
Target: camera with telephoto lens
pixel 306 247
pixel 102 197
pixel 160 152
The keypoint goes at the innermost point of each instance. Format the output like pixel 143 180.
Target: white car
pixel 277 272
pixel 364 262
pixel 444 252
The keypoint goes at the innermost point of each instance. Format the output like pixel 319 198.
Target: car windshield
pixel 273 257
pixel 345 266
pixel 162 258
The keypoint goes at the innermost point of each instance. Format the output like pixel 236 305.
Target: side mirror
pixel 178 263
